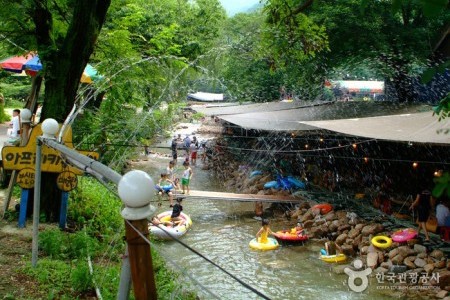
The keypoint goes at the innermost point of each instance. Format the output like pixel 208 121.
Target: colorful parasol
pixel 31 64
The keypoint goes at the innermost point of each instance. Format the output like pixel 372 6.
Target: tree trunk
pixel 63 66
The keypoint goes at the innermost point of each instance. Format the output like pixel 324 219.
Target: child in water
pixel 176 212
pixel 187 175
pixel 298 230
pixel 331 247
pixel 263 233
pixel 162 185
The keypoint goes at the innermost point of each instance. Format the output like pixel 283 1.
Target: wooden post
pixel 144 286
pixel 136 192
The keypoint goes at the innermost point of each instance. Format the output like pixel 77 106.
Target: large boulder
pixel 348 250
pixel 398 259
pixel 308 224
pixel 315 232
pixel 398 269
pixel 334 225
pixel 393 253
pixel 420 249
pixel 372 260
pixel 405 251
pixel 440 264
pixel 353 233
pixel 341 239
pixel 341 214
pixel 364 249
pixel 330 216
pixel 386 264
pixel 357 241
pixel 437 254
pixel 428 268
pixel 320 221
pixel 344 227
pixel 372 229
pixel 409 262
pixel 359 226
pixel 422 255
pixel 308 216
pixel 419 262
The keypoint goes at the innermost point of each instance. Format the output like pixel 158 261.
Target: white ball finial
pixel 50 128
pixel 136 189
pixel 25 115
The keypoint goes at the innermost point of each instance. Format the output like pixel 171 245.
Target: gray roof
pixel 378 120
pixel 417 127
pixel 249 108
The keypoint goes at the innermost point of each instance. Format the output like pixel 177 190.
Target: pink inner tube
pixel 404 235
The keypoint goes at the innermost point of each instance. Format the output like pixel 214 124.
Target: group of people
pixel 168 182
pixel 265 231
pixel 193 148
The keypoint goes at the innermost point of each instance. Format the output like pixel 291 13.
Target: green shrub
pixel 4 117
pixel 93 206
pixel 81 278
pixel 52 275
pixel 53 242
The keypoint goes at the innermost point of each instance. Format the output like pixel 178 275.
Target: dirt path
pixel 15 251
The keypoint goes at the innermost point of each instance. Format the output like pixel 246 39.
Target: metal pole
pixel 37 202
pixel 125 278
pixel 88 162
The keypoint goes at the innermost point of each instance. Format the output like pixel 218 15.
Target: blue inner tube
pixel 254 173
pixel 165 188
pixel 323 252
pixel 296 183
pixel 272 184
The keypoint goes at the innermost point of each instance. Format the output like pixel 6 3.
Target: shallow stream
pixel 222 230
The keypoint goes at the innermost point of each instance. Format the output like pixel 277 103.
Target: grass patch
pixel 62 271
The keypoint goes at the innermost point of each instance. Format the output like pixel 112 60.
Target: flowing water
pixel 222 230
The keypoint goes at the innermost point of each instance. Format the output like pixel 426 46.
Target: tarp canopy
pixel 250 108
pixel 207 97
pixel 418 127
pixel 378 120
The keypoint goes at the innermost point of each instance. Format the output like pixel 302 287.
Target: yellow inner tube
pixel 271 244
pixel 381 241
pixel 333 258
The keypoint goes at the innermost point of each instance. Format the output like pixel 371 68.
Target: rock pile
pixel 354 234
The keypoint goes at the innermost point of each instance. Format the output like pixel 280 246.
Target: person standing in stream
pixel 186 178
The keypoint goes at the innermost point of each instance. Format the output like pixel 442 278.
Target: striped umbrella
pixel 31 64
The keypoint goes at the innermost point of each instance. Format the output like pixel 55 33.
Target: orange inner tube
pixel 324 208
